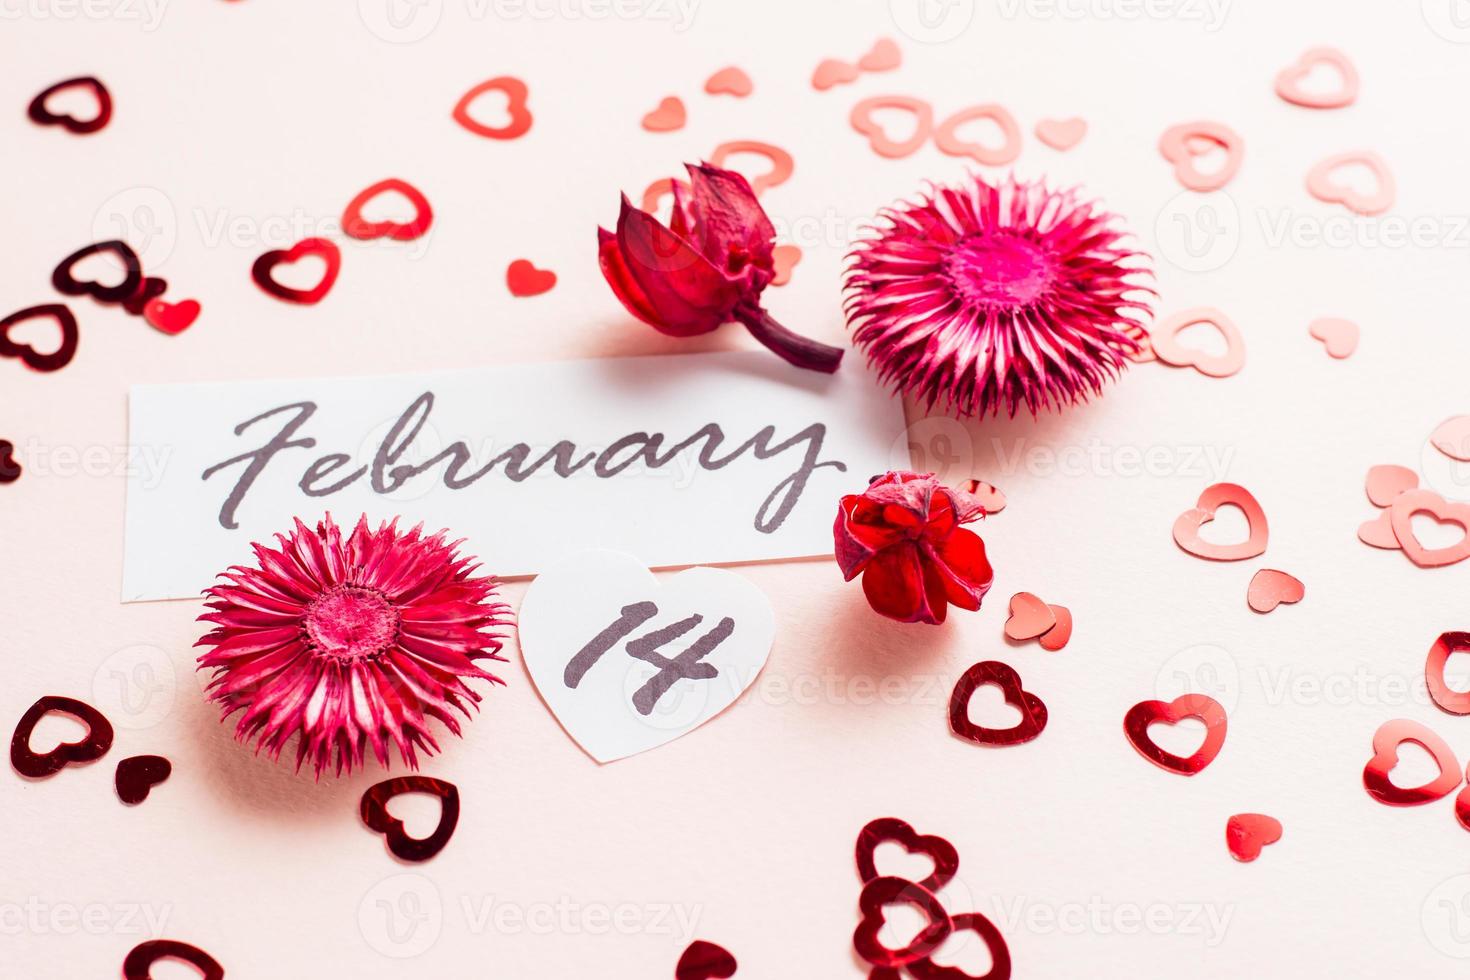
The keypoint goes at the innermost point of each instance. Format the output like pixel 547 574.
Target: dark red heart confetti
pixel 43 116
pixel 882 892
pixel 515 95
pixel 150 290
pixel 375 814
pixel 33 359
pixel 1455 702
pixel 1201 706
pixel 524 279
pixel 10 468
pixel 1033 711
pixel 892 830
pixel 130 285
pixel 137 775
pixel 705 961
pixel 1386 742
pixel 328 252
pixel 40 764
pixel 139 962
pixel 171 318
pixel 354 225
pixel 1000 953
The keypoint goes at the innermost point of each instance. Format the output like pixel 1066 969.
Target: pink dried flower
pixel 350 643
pixel 985 296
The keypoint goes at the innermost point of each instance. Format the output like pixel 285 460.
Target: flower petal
pixel 689 295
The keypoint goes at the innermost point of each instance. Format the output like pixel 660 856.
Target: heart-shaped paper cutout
pixel 1448 699
pixel 139 962
pixel 833 72
pixel 264 266
pixel 171 318
pixel 884 55
pixel 10 468
pixel 882 892
pixel 374 811
pixel 1201 706
pixel 1452 437
pixel 705 961
pixel 1000 953
pixel 1323 187
pixel 1033 711
pixel 38 765
pixel 1413 502
pixel 150 289
pixel 627 661
pixel 516 108
pixel 947 139
pixel 1289 80
pixel 137 775
pixel 891 830
pixel 861 119
pixel 29 356
pixel 1061 134
pixel 132 281
pixel 1184 144
pixel 1386 481
pixel 1339 336
pixel 668 117
pixel 43 116
pixel 1247 833
pixel 1030 617
pixel 1270 587
pixel 729 81
pixel 1164 342
pixel 1056 637
pixel 782 165
pixel 354 225
pixel 1379 532
pixel 524 279
pixel 784 258
pixel 1386 742
pixel 1187 524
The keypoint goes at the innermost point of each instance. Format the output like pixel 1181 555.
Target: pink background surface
pixel 244 126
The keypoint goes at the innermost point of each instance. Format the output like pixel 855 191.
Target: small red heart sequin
pixel 375 814
pixel 1379 532
pixel 1056 638
pixel 354 225
pixel 946 135
pixel 1322 185
pixel 729 81
pixel 1270 587
pixel 705 961
pixel 171 318
pixel 833 72
pixel 784 258
pixel 37 765
pixel 1452 437
pixel 1289 80
pixel 1184 144
pixel 28 355
pixel 1462 806
pixel 1164 344
pixel 891 830
pixel 1000 953
pixel 1386 742
pixel 320 247
pixel 1030 617
pixel 516 98
pixel 1201 706
pixel 1401 516
pixel 1448 699
pixel 1188 524
pixel 139 962
pixel 1339 336
pixel 137 775
pixel 1033 711
pixel 882 892
pixel 1061 134
pixel 130 285
pixel 1386 481
pixel 669 116
pixel 884 55
pixel 1247 833
pixel 10 468
pixel 42 116
pixel 524 279
pixel 861 119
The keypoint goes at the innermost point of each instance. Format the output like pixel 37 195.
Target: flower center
pixel 349 623
pixel 1000 269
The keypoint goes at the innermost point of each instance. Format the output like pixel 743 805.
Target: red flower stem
pixel 794 348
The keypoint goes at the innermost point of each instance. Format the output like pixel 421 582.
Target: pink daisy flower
pixel 349 643
pixel 983 296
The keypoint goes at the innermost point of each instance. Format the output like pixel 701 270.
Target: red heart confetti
pixel 1136 724
pixel 831 72
pixel 262 270
pixel 171 318
pixel 1056 638
pixel 137 775
pixel 1270 587
pixel 131 283
pixel 669 116
pixel 1030 617
pixel 354 225
pixel 38 765
pixel 1386 742
pixel 1385 482
pixel 729 81
pixel 1033 711
pixel 43 116
pixel 884 55
pixel 891 830
pixel 28 355
pixel 524 279
pixel 705 961
pixel 1412 502
pixel 10 468
pixel 1247 833
pixel 517 109
pixel 1452 437
pixel 1187 525
pixel 1000 953
pixel 140 960
pixel 375 814
pixel 882 892
pixel 1446 697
